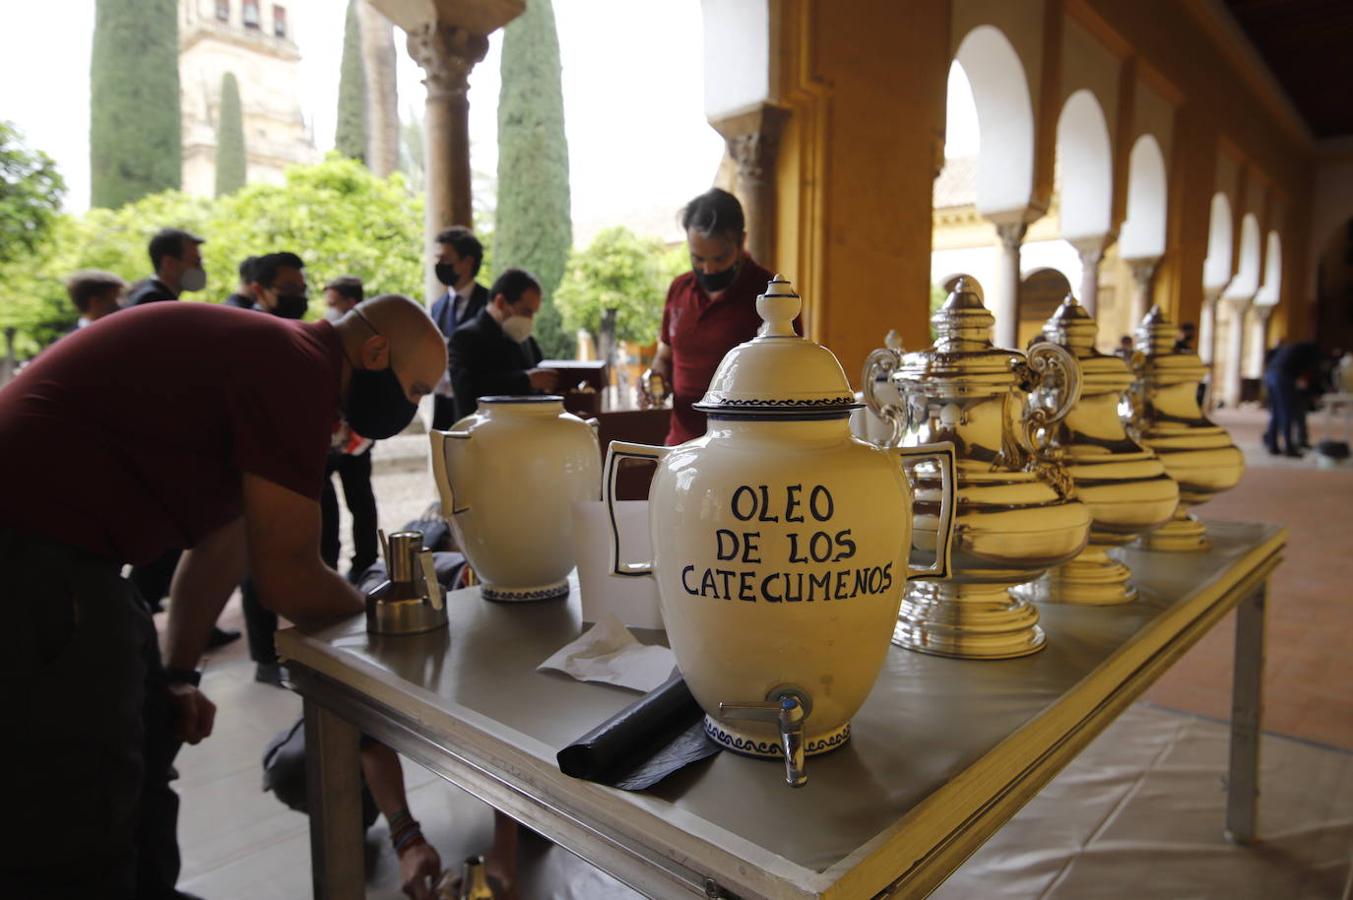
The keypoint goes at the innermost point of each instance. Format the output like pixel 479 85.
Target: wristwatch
pixel 182 676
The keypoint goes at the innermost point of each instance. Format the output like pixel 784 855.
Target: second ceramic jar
pixel 508 477
pixel 782 545
pixel 1017 517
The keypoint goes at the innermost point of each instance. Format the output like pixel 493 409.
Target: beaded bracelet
pixel 411 838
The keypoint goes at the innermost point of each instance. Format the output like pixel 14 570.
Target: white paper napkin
pixel 608 653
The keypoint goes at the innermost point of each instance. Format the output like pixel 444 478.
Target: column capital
pixel 1143 270
pixel 1011 234
pixel 446 54
pixel 753 137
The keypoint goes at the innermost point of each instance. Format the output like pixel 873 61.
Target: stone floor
pixel 240 842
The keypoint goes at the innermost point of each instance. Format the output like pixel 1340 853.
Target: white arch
pixel 1246 282
pixel 1005 119
pixel 1270 292
pixel 1143 233
pixel 1086 161
pixel 1217 266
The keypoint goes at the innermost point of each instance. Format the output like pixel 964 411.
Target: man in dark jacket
pixel 495 353
pixel 243 296
pixel 1289 373
pixel 177 261
pixel 459 256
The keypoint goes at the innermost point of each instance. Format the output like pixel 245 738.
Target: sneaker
pixel 219 637
pixel 274 674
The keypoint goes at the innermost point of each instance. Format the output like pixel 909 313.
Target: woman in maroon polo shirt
pixel 710 309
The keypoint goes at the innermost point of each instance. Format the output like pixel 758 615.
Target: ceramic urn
pixel 782 545
pixel 1017 516
pixel 1124 484
pixel 508 478
pixel 1164 414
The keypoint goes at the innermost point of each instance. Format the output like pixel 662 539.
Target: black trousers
pixel 89 745
pixel 355 473
pixel 260 624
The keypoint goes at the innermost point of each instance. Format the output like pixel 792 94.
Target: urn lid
pixel 1072 327
pixel 963 347
pixel 1156 337
pixel 778 374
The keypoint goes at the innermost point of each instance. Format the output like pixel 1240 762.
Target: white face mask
pixel 518 328
pixel 193 279
pixel 332 314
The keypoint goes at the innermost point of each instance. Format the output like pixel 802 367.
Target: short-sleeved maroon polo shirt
pixel 129 437
pixel 700 332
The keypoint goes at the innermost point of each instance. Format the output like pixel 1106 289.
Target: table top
pixel 941 753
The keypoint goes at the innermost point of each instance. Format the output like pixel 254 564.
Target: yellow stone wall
pixel 865 83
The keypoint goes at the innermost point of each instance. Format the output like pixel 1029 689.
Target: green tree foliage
pixel 30 195
pixel 135 131
pixel 619 270
pixel 339 217
pixel 532 224
pixel 230 156
pixel 350 133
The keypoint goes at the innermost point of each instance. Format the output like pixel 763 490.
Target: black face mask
pixel 291 306
pixel 446 274
pixel 718 281
pixel 377 407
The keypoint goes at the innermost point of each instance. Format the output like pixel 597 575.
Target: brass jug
pixel 1016 516
pixel 1124 484
pixel 411 601
pixel 1164 414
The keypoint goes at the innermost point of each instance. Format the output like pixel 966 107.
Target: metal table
pixel 943 752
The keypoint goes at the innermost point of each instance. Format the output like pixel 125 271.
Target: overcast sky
pixel 639 145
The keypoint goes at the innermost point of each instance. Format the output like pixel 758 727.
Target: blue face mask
pixel 376 406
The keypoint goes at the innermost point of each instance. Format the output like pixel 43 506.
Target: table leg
pixel 334 795
pixel 1247 695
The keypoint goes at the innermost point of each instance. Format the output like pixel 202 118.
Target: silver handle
pixel 946 457
pixel 1045 357
pixel 880 366
pixel 787 708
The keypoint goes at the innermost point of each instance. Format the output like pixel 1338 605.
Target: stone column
pixel 1258 340
pixel 447 53
pixel 1091 254
pixel 1234 364
pixel 1143 282
pixel 1003 302
pixel 1207 342
pixel 753 139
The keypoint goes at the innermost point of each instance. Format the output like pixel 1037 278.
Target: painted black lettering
pixel 738 495
pixel 726 544
pixel 747 586
pixel 749 548
pixel 820 503
pixel 793 503
pixel 820 546
pixel 845 545
pixel 765 588
pixel 819 585
pixel 765 506
pixel 686 584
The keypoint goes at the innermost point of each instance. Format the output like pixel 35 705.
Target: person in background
pixel 459 256
pixel 710 309
pixel 95 293
pixel 177 262
pixel 1125 347
pixel 350 457
pixel 1184 344
pixel 243 297
pixel 494 353
pixel 203 449
pixel 279 285
pixel 1290 372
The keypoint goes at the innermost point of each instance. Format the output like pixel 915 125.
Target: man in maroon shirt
pixel 710 309
pixel 169 425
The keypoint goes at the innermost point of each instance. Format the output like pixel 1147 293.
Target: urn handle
pixel 880 367
pixel 441 446
pixel 1045 358
pixel 946 458
pixel 617 451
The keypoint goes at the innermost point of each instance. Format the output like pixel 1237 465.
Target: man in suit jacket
pixel 495 353
pixel 460 255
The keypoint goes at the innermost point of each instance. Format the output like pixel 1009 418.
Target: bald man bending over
pixel 173 425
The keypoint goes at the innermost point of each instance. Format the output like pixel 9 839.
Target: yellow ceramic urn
pixel 1164 415
pixel 1124 484
pixel 1017 516
pixel 781 544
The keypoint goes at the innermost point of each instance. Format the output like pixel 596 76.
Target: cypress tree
pixel 230 156
pixel 135 127
pixel 350 133
pixel 533 228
